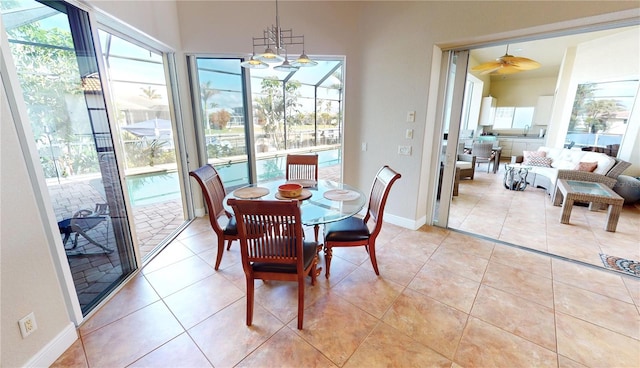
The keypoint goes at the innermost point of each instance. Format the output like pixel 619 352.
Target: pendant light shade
pixel 304 61
pixel 254 64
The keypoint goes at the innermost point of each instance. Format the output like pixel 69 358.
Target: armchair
pixel 467 165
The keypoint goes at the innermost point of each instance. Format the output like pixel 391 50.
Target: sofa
pixel 550 164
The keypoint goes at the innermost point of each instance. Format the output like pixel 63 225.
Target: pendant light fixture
pixel 275 42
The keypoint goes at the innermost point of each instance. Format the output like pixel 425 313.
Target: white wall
pixel 521 93
pixel 389 48
pixel 28 278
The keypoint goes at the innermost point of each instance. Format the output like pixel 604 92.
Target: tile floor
pixel 443 299
pixel 528 218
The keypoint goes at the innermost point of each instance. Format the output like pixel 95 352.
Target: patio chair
pixel 483 152
pixel 354 231
pixel 79 224
pixel 214 192
pixel 272 246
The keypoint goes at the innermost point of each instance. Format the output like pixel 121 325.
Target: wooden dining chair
pixel 273 247
pixel 354 231
pixel 303 167
pixel 214 192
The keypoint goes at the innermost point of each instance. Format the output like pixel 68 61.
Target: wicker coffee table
pixel 593 193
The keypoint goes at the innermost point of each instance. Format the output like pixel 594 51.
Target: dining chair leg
pixel 220 252
pixel 229 244
pixel 300 301
pixel 249 300
pixel 371 249
pixel 328 253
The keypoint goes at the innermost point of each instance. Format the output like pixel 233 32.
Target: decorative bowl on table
pixel 290 190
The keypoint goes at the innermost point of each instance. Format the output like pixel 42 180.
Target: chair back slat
pixel 270 231
pixel 482 149
pixel 213 191
pixel 378 198
pixel 302 167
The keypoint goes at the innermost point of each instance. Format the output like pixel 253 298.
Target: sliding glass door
pixel 57 67
pixel 147 135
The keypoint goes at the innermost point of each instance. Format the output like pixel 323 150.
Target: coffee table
pixel 594 193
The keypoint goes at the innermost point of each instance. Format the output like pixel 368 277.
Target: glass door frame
pixel 454 66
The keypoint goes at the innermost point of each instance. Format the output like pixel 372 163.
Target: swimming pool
pixel 146 189
pixel 153 188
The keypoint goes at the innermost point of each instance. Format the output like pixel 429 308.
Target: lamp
pixel 275 40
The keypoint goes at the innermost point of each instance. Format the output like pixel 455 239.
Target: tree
pixel 206 93
pixel 583 93
pixel 218 120
pixel 150 93
pixel 48 74
pixel 271 105
pixel 598 113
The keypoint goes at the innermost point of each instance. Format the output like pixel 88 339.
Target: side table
pixel 515 176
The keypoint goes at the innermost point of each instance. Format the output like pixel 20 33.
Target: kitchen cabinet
pixel 543 110
pixel 487 110
pixel 514 146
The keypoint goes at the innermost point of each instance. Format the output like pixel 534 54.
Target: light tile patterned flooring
pixel 528 218
pixel 443 299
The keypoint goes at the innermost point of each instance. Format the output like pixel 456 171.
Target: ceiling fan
pixel 507 64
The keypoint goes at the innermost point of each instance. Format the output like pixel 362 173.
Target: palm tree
pixel 206 93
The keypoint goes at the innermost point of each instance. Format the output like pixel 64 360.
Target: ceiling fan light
pixel 270 56
pixel 304 61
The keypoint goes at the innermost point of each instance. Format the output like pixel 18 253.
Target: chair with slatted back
pixel 354 231
pixel 272 246
pixel 483 152
pixel 303 169
pixel 214 192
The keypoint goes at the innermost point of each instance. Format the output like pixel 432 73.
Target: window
pixel 601 112
pixel 298 111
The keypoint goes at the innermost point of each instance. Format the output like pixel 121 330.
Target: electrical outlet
pixel 404 150
pixel 28 325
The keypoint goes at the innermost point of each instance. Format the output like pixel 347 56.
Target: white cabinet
pixel 487 110
pixel 542 114
pixel 506 145
pixel 516 146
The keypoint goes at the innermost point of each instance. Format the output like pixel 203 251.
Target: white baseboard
pixel 200 212
pixel 55 348
pixel 403 222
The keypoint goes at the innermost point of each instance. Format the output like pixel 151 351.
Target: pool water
pixel 153 188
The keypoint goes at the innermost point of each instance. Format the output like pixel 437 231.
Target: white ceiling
pixel 548 52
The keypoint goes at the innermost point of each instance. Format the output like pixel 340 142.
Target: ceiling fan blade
pixel 491 65
pixel 507 69
pixel 521 63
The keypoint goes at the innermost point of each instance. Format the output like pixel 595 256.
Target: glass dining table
pixel 321 202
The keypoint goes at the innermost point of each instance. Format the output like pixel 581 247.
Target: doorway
pixel 518 219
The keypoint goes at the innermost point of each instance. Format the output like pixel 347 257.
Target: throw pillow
pixel 528 154
pixel 586 166
pixel 538 161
